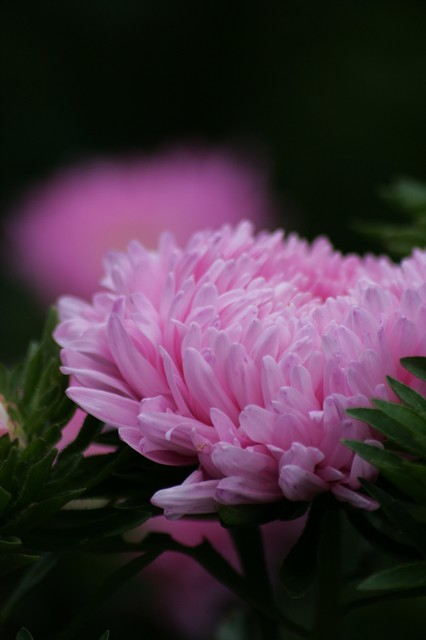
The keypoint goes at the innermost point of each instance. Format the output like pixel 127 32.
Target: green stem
pixel 249 545
pixel 214 564
pixel 328 612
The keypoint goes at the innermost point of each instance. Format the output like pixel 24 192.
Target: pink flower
pixel 240 355
pixel 61 231
pixel 7 425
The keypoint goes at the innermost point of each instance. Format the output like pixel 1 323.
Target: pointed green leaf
pixel 105 636
pixel 9 544
pixel 65 475
pixel 34 450
pixel 400 578
pixel 52 435
pixel 83 527
pixel 38 513
pixel 36 479
pixel 416 366
pixel 5 498
pixel 389 426
pixel 412 421
pixel 407 194
pixel 409 477
pixel 8 468
pixel 33 365
pixel 24 634
pixel 408 395
pixel 13 561
pixel 399 516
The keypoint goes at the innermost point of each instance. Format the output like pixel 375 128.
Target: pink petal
pixel 109 407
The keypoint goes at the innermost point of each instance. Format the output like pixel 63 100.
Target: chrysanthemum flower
pixel 113 201
pixel 240 355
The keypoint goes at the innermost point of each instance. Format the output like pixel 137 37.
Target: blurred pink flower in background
pixel 62 229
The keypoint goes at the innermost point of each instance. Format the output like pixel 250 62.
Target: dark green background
pixel 332 93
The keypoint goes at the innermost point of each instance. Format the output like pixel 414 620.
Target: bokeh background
pixel 328 98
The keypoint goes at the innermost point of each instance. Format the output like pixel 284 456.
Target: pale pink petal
pixel 109 407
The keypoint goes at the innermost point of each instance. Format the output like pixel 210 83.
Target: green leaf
pixel 13 561
pixel 34 450
pixel 409 477
pixel 401 578
pixel 33 364
pixel 9 544
pixel 38 513
pixel 65 475
pixel 408 395
pixel 416 366
pixel 407 194
pixel 44 402
pixel 105 636
pixel 412 421
pixel 8 467
pixel 84 526
pixel 374 528
pixel 24 634
pixel 36 479
pixel 5 498
pixel 387 425
pixel 399 516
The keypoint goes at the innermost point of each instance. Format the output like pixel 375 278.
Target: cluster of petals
pixel 239 355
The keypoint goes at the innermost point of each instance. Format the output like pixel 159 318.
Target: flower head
pixel 240 354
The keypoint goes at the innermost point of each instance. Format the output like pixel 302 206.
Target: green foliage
pixel 401 578
pixel 51 502
pixel 401 488
pixel 408 198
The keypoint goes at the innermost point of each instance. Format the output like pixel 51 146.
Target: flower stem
pixel 328 613
pixel 212 561
pixel 249 545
